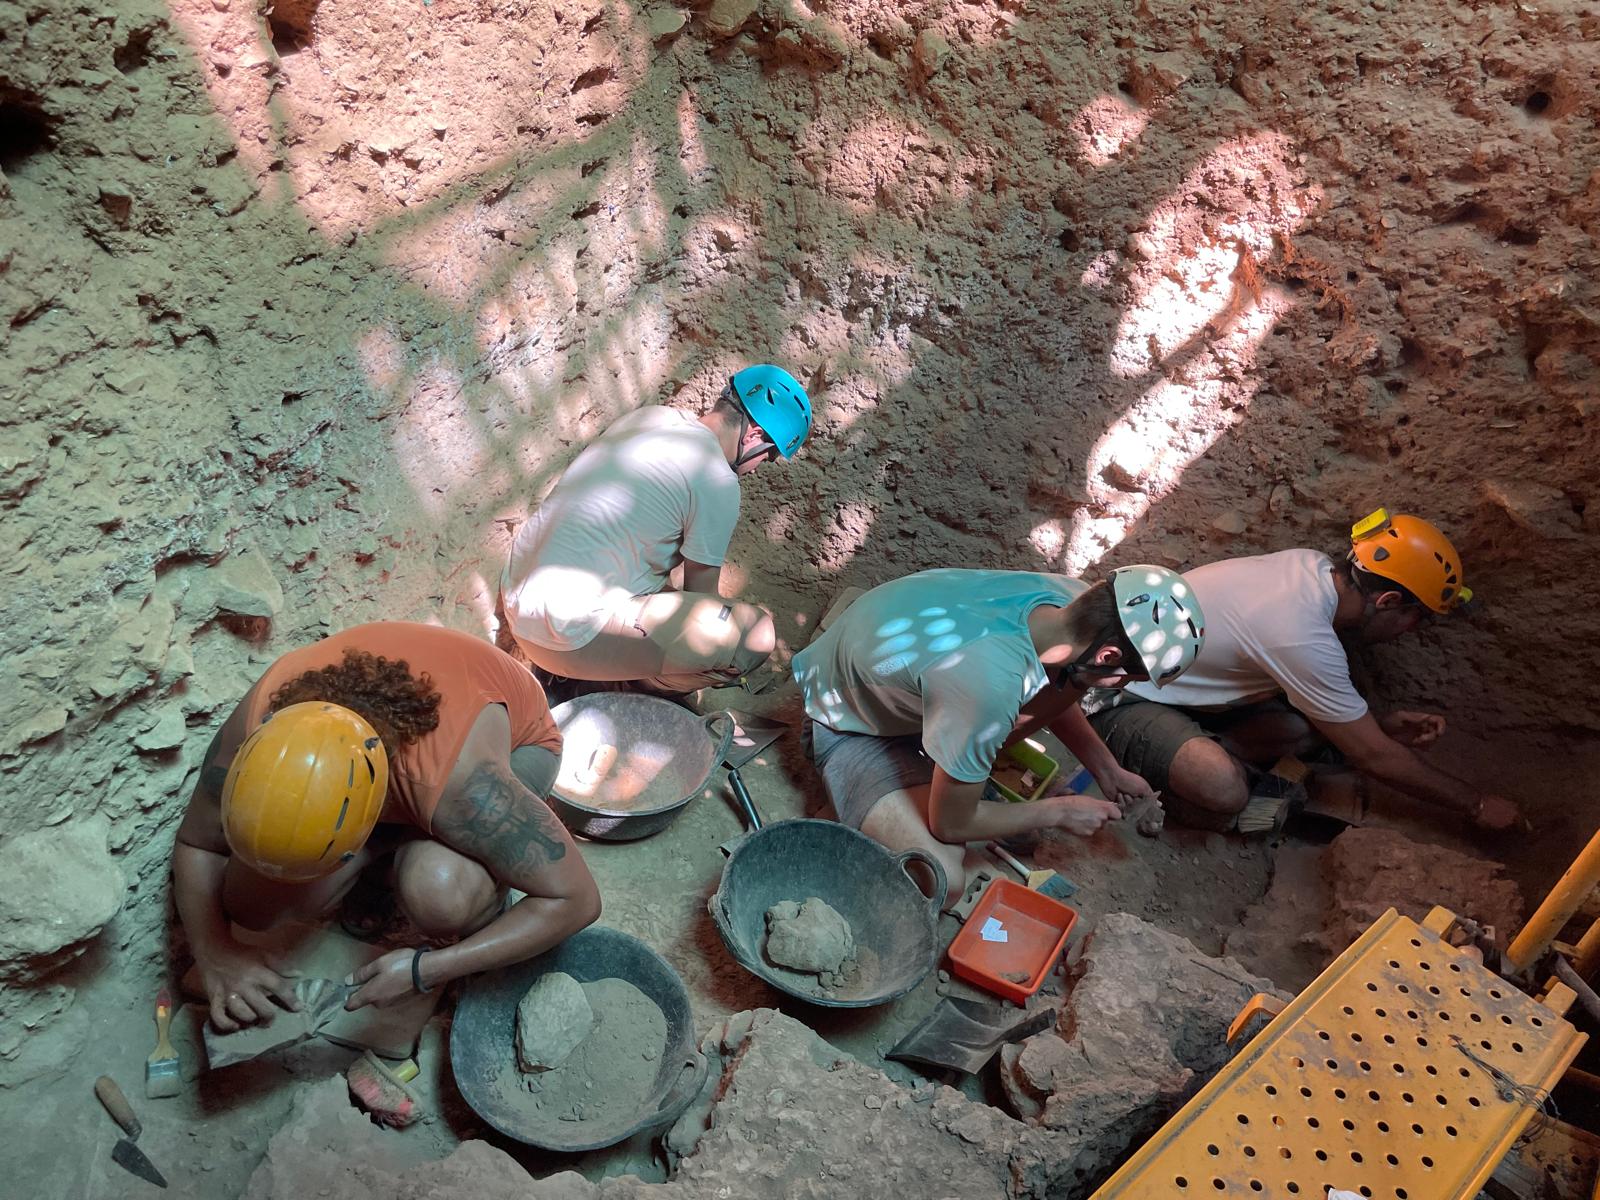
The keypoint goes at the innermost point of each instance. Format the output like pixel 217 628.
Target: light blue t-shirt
pixel 944 653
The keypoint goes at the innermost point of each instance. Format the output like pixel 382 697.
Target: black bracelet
pixel 416 971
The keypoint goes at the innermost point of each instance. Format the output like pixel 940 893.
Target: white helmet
pixel 1162 618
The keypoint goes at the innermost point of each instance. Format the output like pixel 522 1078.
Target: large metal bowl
pixel 631 763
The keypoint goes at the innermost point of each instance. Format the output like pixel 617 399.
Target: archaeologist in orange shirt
pixel 1274 679
pixel 587 592
pixel 914 689
pixel 390 739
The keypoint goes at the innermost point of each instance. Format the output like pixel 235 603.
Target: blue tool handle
pixel 743 795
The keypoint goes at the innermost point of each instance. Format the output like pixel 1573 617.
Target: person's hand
pixel 383 981
pixel 1082 815
pixel 1123 786
pixel 241 985
pixel 1414 729
pixel 1496 812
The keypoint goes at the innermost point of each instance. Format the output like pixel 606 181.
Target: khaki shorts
pixel 1145 736
pixel 858 769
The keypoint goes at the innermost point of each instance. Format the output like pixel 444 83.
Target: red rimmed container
pixel 1036 929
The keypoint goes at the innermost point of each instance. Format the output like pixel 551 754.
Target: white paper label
pixel 994 931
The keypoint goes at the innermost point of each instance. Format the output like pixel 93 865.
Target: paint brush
pixel 162 1076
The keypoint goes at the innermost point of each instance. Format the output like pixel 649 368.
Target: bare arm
pixel 697 577
pixel 1373 752
pixel 490 815
pixel 239 983
pixel 957 812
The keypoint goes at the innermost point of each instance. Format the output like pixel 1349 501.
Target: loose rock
pixel 552 1020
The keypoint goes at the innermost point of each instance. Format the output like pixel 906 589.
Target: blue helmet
pixel 774 400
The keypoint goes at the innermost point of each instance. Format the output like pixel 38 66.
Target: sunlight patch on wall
pixel 1106 126
pixel 1142 456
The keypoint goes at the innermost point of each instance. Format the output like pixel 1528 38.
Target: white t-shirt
pixel 1269 629
pixel 946 654
pixel 653 489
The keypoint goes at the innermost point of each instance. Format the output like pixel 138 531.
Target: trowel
pixel 963 1035
pixel 125 1154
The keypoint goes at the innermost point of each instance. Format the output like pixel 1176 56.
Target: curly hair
pixel 396 703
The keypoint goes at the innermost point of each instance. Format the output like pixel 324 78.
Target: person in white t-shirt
pixel 1274 677
pixel 588 591
pixel 913 690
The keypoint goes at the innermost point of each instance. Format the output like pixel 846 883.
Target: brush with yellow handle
pixel 162 1075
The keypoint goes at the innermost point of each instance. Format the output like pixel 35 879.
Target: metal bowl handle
pixel 940 879
pixel 724 739
pixel 696 1066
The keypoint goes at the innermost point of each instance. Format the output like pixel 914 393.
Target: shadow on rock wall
pixel 306 309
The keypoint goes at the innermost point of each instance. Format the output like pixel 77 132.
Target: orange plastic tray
pixel 1036 929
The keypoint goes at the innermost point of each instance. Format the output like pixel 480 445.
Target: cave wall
pixel 302 307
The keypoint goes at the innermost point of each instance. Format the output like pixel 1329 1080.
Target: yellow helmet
pixel 304 791
pixel 1413 553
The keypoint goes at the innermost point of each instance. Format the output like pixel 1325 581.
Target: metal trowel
pixel 125 1154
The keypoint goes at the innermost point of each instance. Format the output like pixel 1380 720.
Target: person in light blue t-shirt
pixel 913 691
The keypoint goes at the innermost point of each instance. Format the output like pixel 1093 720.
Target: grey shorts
pixel 1145 736
pixel 858 769
pixel 537 767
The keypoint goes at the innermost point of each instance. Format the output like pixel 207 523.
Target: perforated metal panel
pixel 1379 1079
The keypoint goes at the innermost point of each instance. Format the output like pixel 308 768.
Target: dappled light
pixel 1107 126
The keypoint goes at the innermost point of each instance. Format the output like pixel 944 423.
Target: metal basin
pixel 631 763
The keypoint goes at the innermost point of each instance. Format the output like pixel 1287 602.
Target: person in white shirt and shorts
pixel 1274 678
pixel 588 594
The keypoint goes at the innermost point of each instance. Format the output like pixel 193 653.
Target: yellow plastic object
pixel 1380 1079
pixel 1564 900
pixel 1373 523
pixel 1014 761
pixel 1259 1004
pixel 304 791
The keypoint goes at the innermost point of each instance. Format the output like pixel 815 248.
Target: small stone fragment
pixel 664 22
pixel 552 1019
pixel 808 936
pixel 726 17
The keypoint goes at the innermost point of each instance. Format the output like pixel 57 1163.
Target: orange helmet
pixel 1411 552
pixel 304 791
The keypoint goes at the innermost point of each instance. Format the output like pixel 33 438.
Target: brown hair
pixel 1092 621
pixel 396 703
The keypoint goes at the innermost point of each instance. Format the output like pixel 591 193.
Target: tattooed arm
pixel 487 813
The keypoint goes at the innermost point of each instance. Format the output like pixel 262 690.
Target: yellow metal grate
pixel 1380 1079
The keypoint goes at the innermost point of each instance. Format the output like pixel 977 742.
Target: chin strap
pixel 760 451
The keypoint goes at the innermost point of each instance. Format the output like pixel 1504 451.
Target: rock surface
pixel 58 888
pixel 1142 1030
pixel 1323 898
pixel 787 1112
pixel 553 1018
pixel 809 936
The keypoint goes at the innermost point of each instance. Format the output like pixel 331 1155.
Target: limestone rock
pixel 1147 1019
pixel 808 936
pixel 664 22
pixel 929 51
pixel 58 887
pixel 552 1019
pixel 167 733
pixel 243 585
pixel 726 17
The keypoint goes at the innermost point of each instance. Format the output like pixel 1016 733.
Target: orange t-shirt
pixel 467 672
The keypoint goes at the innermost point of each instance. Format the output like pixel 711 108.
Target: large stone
pixel 1147 1019
pixel 808 936
pixel 726 17
pixel 58 888
pixel 243 585
pixel 552 1019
